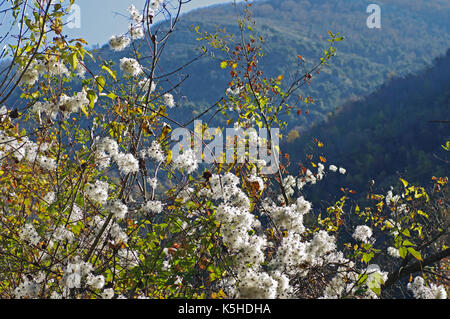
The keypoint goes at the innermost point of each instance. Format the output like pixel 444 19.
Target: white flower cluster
pixel 3 113
pixel 98 191
pixel 117 208
pixel 391 199
pixel 310 177
pixel 54 67
pixel 153 206
pixel 136 31
pixel 75 271
pixel 119 42
pixel 421 291
pixel 136 16
pixel 49 198
pixel 72 104
pixel 112 234
pixel 29 288
pixel 131 66
pixel 29 234
pixel 107 148
pixel 144 85
pixel 392 251
pixel 290 217
pixel 186 161
pixel 76 214
pixel 155 152
pixel 96 282
pixel 66 104
pixel 49 108
pixel 236 225
pixel 127 163
pixel 30 76
pixel 362 233
pixel 334 168
pixel 61 234
pixel 156 4
pixel 25 149
pixel 128 258
pixel 295 252
pixel 168 100
pixel 294 256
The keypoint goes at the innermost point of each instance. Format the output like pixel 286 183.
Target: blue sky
pixel 100 19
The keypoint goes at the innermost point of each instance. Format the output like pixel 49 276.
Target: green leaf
pixel 83 109
pixel 407 243
pixel 111 95
pixel 73 60
pixel 422 213
pixel 402 251
pixel 406 232
pixel 110 72
pixel 100 83
pixel 374 282
pixel 415 253
pixel 92 98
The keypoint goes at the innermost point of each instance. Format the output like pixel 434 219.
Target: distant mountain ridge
pixel 412 34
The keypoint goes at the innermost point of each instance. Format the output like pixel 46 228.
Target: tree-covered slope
pixel 394 132
pixel 412 34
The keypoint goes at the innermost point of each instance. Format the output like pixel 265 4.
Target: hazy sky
pixel 100 19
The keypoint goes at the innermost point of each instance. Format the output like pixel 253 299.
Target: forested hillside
pixel 394 132
pixel 412 34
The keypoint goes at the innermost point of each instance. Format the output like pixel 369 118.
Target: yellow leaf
pixel 405 183
pixel 83 109
pixel 110 72
pixel 169 157
pixel 224 64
